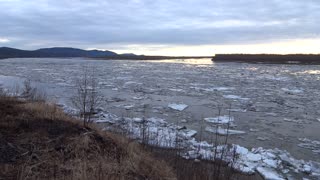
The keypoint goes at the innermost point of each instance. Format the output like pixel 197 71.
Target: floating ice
pixel 253 130
pixel 188 133
pixel 262 138
pixel 137 97
pixel 269 174
pixel 294 120
pixel 178 107
pixel 211 89
pixel 235 97
pixel 237 110
pixel 270 163
pixel 220 119
pixel 310 144
pixel 293 90
pixel 176 90
pixel 128 107
pixel 222 131
pixel 184 121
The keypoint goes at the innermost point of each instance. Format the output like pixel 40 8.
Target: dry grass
pixel 38 141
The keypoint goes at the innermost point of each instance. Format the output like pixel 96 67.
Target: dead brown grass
pixel 38 141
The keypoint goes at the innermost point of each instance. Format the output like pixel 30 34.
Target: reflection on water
pixel 203 62
pixel 310 72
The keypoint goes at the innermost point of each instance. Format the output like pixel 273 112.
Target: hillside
pixel 38 141
pixel 65 52
pixel 6 52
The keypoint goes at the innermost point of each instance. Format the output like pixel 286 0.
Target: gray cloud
pixel 82 23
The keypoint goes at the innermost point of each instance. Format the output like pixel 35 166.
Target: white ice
pixel 178 107
pixel 220 119
pixel 235 97
pixel 223 132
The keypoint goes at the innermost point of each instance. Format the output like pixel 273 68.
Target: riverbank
pixel 39 141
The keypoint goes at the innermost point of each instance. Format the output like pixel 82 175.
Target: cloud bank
pixel 123 23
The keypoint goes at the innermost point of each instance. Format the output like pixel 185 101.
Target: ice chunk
pixel 235 97
pixel 269 174
pixel 253 130
pixel 188 133
pixel 137 120
pixel 137 98
pixel 253 157
pixel 310 144
pixel 271 163
pixel 292 90
pixel 222 131
pixel 262 138
pixel 294 120
pixel 220 119
pixel 178 107
pixel 184 121
pixel 241 150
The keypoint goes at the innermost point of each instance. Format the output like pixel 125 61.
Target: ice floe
pixel 212 89
pixel 263 138
pixel 220 119
pixel 270 163
pixel 313 145
pixel 292 90
pixel 235 97
pixel 294 120
pixel 178 107
pixel 223 132
pixel 269 174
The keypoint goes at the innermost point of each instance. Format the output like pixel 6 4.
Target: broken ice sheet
pixel 223 132
pixel 220 119
pixel 262 138
pixel 292 90
pixel 269 174
pixel 235 97
pixel 310 144
pixel 178 107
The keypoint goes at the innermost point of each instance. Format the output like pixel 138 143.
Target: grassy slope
pixel 38 141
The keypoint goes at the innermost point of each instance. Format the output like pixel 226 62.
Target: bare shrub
pixel 87 98
pixel 32 93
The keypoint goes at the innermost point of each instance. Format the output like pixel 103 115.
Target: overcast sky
pixel 168 27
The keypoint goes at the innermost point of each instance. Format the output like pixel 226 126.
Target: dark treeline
pixel 270 58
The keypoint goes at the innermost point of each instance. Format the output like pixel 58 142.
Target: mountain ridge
pixel 8 52
pixel 69 52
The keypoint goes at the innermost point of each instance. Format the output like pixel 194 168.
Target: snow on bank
pixel 178 107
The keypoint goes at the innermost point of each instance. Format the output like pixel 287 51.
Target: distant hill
pixel 6 52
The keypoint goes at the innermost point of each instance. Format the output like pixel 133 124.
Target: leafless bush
pixel 3 93
pixel 87 98
pixel 31 93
